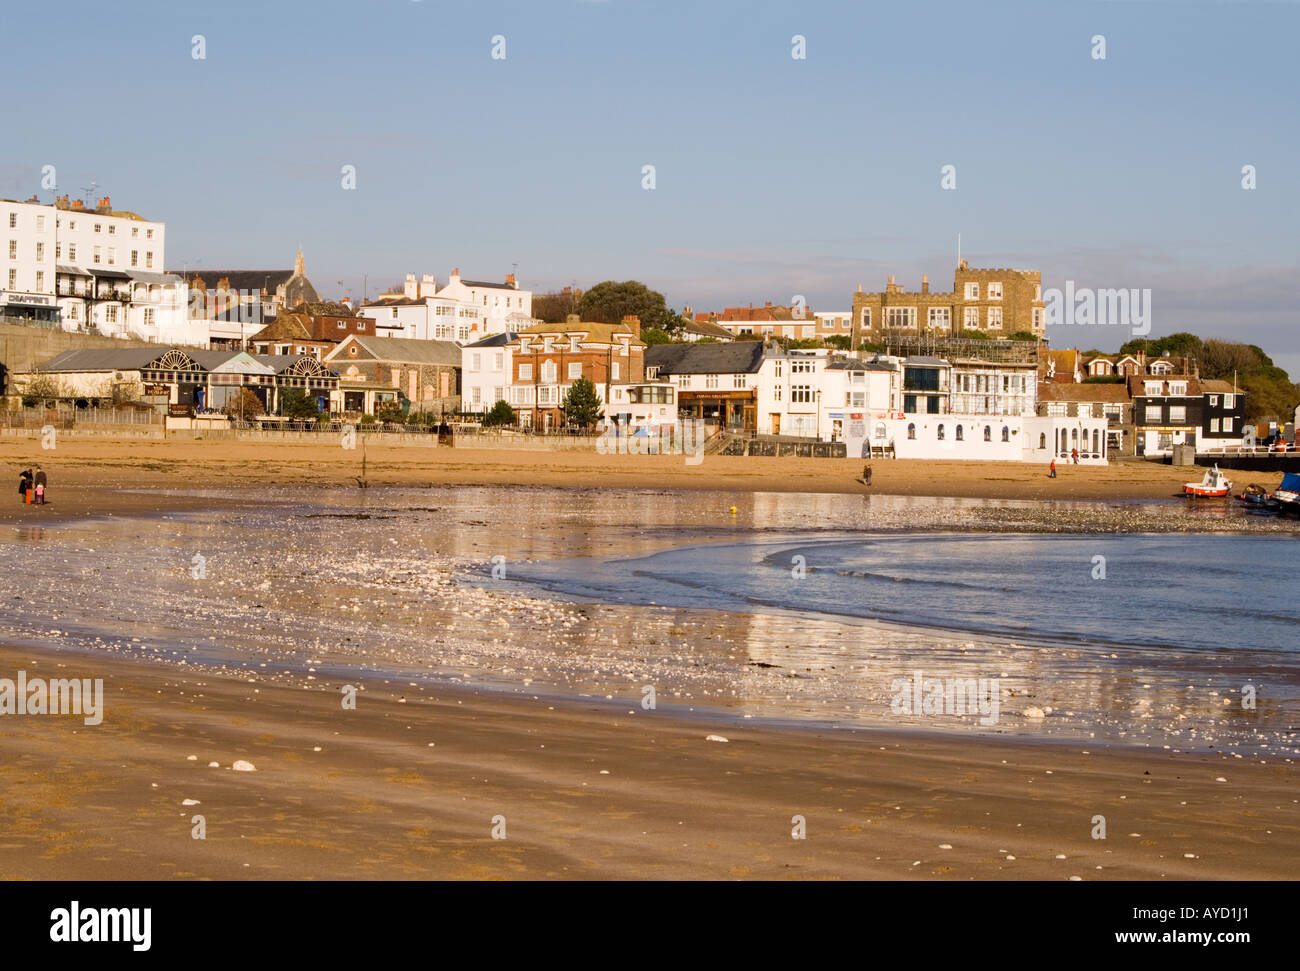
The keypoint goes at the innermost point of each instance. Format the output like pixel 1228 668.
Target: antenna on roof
pixel 89 191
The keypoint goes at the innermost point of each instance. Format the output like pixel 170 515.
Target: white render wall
pixel 34 225
pixel 484 377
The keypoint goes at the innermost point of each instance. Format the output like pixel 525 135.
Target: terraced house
pixel 999 302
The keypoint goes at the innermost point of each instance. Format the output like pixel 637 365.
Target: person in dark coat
pixel 24 483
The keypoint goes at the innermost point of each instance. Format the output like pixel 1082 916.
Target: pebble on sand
pixel 189 802
pixel 1034 713
pixel 716 738
pixel 242 766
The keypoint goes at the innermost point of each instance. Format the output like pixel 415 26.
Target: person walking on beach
pixel 1074 455
pixel 866 475
pixel 39 483
pixel 1051 474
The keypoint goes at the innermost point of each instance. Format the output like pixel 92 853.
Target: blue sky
pixel 774 176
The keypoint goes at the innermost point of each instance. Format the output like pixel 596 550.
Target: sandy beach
pixel 476 703
pixel 407 787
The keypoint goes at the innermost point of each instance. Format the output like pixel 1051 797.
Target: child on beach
pixel 1052 470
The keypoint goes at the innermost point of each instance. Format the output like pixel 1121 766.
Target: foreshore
pixel 76 465
pixel 411 784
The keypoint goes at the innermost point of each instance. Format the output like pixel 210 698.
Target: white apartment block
pixel 92 269
pixel 463 310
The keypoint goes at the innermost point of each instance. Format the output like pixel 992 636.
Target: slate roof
pixel 738 357
pixel 104 359
pixel 402 349
pixel 1114 392
pixel 496 340
pixel 239 279
pixel 706 329
pixel 494 286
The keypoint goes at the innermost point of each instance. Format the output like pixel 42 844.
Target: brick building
pixel 546 359
pixel 1000 302
pixel 422 376
pixel 314 334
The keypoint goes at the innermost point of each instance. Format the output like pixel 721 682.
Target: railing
pixel 71 417
pixel 1248 450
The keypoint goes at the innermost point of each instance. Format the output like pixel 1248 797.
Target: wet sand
pixel 379 801
pixel 78 466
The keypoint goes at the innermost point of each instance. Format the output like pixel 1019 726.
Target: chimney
pixel 78 204
pixel 455 275
pixel 103 205
pixel 410 290
pixel 925 283
pixel 510 279
pixel 767 303
pixel 633 323
pixel 427 286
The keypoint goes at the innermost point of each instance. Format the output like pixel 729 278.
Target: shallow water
pixel 602 593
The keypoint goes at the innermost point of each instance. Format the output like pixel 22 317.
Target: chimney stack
pixel 925 283
pixel 633 323
pixel 410 290
pixel 510 279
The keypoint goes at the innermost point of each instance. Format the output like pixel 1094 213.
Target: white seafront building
pixel 89 269
pixel 464 310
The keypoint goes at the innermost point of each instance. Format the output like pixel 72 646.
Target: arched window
pixel 960 434
pixel 1042 440
pixel 1006 433
pixel 941 433
pixel 1074 436
pixel 911 431
pixel 1096 440
pixel 988 433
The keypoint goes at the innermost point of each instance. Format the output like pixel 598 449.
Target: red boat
pixel 1215 485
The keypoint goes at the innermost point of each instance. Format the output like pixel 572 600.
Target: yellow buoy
pixel 733 510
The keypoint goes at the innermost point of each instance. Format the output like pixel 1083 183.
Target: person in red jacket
pixel 1052 470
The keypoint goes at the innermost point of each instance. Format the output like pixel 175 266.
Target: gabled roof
pixel 595 332
pixel 738 357
pixel 706 329
pixel 1215 386
pixel 1114 392
pixel 288 326
pixel 404 350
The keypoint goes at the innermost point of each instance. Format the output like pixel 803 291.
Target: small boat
pixel 1215 485
pixel 1287 495
pixel 1256 497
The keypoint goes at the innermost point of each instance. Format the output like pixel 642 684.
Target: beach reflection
pixel 400 582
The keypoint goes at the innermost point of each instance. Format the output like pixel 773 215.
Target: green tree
pixel 1023 335
pixel 653 335
pixel 500 414
pixel 840 341
pixel 582 405
pixel 298 405
pixel 609 302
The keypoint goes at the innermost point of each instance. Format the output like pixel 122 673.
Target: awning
pixel 109 274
